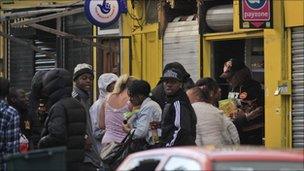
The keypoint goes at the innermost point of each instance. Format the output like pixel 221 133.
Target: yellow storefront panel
pixel 146 46
pixel 275 109
pixel 294 13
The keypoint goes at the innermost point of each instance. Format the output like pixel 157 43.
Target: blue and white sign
pixel 104 13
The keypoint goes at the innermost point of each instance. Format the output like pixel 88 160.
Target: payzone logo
pixel 256 4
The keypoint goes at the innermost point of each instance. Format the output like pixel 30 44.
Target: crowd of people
pixel 177 112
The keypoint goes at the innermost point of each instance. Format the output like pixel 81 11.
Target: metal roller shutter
pixel 298 87
pixel 181 44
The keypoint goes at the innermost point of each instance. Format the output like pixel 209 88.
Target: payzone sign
pixel 256 14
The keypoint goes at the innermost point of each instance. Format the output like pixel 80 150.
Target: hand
pixel 227 66
pixel 239 113
pixel 126 127
pixel 87 143
pixel 255 113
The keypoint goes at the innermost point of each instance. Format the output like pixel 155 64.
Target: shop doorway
pixel 249 50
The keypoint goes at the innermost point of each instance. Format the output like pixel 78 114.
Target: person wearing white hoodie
pixel 106 84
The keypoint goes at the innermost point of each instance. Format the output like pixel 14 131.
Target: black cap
pixel 235 66
pixel 172 74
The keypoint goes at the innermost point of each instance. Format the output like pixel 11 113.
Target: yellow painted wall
pixel 146 47
pixel 275 135
pixel 294 13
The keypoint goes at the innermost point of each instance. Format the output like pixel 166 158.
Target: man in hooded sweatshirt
pixel 37 107
pixel 249 117
pixel 83 80
pixel 106 85
pixel 178 122
pixel 66 121
pixel 158 93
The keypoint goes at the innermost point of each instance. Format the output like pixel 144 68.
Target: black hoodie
pixel 178 121
pixel 158 93
pixel 66 121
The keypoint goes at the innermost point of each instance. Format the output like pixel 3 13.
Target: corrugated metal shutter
pixel 42 62
pixel 298 87
pixel 181 44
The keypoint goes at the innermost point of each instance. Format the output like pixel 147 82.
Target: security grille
pixel 298 87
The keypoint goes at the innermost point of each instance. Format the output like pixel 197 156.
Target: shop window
pixel 254 58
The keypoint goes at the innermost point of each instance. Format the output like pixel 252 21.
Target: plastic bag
pixel 228 106
pixel 24 144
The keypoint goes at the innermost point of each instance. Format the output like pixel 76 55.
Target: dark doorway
pixel 223 51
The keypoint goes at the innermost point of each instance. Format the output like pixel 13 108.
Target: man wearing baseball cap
pixel 178 118
pixel 83 80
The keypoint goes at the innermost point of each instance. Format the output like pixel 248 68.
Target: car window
pixel 182 163
pixel 143 163
pixel 258 166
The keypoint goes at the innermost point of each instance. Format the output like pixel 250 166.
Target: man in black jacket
pixel 83 78
pixel 158 93
pixel 65 124
pixel 178 117
pixel 36 104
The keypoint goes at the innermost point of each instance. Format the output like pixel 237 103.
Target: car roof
pixel 228 153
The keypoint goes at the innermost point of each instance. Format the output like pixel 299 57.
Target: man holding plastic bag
pixel 245 103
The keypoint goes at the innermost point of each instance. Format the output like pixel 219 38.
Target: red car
pixel 209 158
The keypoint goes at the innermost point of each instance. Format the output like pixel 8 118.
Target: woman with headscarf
pixel 106 84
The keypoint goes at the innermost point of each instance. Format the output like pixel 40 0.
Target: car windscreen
pixel 258 166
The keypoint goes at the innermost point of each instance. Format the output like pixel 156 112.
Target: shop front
pixel 275 58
